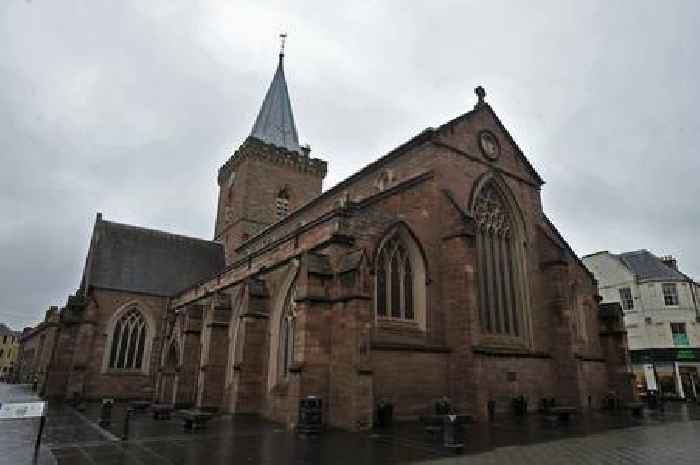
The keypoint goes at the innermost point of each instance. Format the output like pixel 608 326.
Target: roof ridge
pixel 159 232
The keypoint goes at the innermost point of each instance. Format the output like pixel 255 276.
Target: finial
pixel 283 38
pixel 480 93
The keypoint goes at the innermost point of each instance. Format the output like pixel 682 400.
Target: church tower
pixel 270 174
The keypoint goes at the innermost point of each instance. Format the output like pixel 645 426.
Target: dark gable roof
pixel 647 266
pixel 129 258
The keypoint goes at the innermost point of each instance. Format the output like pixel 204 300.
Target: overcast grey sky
pixel 130 107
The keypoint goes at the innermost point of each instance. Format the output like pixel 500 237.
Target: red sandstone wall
pixel 410 380
pixel 100 383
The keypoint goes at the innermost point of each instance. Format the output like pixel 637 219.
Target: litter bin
pixel 310 415
pixel 453 431
pixel 385 414
pixel 520 406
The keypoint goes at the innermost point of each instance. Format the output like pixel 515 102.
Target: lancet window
pixel 128 341
pixel 498 272
pixel 286 334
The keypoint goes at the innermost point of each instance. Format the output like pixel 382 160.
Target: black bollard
pixel 491 406
pixel 125 433
pixel 106 412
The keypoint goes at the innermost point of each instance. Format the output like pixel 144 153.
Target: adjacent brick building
pixel 432 271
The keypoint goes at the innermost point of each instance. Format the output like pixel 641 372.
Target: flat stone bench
pixel 195 419
pixel 435 423
pixel 162 411
pixel 635 407
pixel 139 405
pixel 563 413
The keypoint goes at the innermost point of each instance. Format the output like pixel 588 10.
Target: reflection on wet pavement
pixel 75 439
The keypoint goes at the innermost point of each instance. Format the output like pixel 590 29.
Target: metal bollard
pixel 125 433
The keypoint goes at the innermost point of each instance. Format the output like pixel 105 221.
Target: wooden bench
pixel 162 411
pixel 563 413
pixel 635 407
pixel 195 419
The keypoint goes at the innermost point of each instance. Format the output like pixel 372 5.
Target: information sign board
pixel 650 377
pixel 17 411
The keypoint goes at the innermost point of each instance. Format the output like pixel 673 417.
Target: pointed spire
pixel 275 122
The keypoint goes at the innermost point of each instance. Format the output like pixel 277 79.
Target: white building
pixel 661 317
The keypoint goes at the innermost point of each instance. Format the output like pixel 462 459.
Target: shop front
pixel 674 373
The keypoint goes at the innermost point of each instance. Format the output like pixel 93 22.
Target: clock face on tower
pixel 488 143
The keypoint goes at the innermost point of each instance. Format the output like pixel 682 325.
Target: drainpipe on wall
pixel 695 298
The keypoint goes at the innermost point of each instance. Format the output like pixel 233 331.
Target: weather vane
pixel 283 38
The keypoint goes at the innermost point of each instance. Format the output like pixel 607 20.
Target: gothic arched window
pixel 400 278
pixel 282 205
pixel 128 342
pixel 499 275
pixel 286 335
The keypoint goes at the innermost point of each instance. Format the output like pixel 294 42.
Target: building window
pixel 498 252
pixel 128 341
pixel 286 335
pixel 626 298
pixel 4 339
pixel 680 336
pixel 282 205
pixel 670 294
pixel 400 278
pixel 2 351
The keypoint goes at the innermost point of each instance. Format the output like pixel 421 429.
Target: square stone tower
pixel 269 175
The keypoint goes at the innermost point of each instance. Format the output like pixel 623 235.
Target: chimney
pixel 670 262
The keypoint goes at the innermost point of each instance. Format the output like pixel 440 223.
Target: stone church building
pixel 432 271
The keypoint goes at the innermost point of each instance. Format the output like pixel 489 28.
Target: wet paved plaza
pixel 73 438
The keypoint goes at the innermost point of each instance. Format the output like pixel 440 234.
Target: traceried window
pixel 670 294
pixel 395 281
pixel 626 298
pixel 499 276
pixel 128 341
pixel 282 205
pixel 286 334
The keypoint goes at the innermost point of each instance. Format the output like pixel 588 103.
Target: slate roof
pixel 130 258
pixel 648 267
pixel 6 331
pixel 275 122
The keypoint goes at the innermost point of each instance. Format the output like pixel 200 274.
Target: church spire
pixel 275 122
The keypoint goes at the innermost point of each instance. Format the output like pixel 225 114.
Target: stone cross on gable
pixel 481 94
